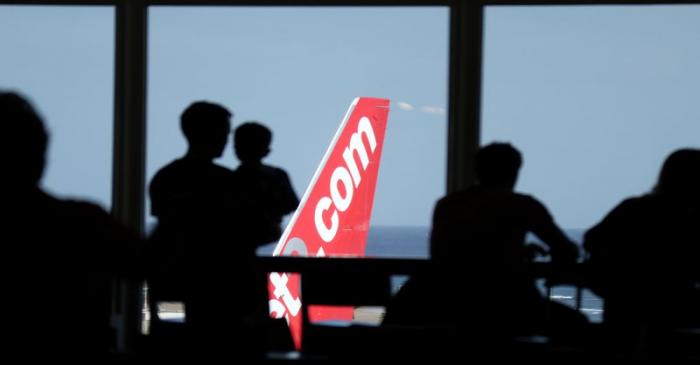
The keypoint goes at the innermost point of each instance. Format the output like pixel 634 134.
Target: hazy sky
pixel 297 71
pixel 595 97
pixel 62 58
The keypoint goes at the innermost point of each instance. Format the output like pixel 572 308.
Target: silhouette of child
pixel 267 186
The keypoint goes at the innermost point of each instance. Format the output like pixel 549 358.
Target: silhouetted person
pixel 645 256
pixel 478 248
pixel 60 256
pixel 268 186
pixel 198 205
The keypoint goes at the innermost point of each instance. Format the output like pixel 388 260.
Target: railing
pixel 383 268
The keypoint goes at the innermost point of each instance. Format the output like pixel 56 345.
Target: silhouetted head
pixel 252 141
pixel 23 141
pixel 497 165
pixel 206 127
pixel 680 175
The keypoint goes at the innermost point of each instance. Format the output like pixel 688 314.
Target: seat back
pixel 341 287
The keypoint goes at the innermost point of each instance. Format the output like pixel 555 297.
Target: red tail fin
pixel 334 214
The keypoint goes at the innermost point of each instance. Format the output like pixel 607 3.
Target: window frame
pixel 130 82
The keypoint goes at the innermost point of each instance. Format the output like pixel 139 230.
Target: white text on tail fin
pixel 334 214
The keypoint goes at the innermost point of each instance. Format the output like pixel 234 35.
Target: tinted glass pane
pixel 296 70
pixel 62 58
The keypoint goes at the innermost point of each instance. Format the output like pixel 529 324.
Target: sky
pixel 297 71
pixel 595 97
pixel 62 58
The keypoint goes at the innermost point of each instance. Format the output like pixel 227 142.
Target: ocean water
pixel 398 242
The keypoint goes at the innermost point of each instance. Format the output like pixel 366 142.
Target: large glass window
pixel 296 70
pixel 62 58
pixel 595 97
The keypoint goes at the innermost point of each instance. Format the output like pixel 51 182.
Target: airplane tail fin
pixel 334 214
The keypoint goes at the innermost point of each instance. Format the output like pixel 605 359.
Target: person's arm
pixel 602 247
pixel 543 226
pixel 437 234
pixel 290 201
pixel 259 227
pixel 154 192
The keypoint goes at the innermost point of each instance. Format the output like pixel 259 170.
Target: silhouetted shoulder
pixel 95 218
pixel 88 236
pixel 479 201
pixel 269 187
pixel 183 182
pixel 631 205
pixel 641 225
pixel 279 173
pixel 619 221
pixel 490 222
pixel 534 208
pixel 183 168
pixel 260 171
